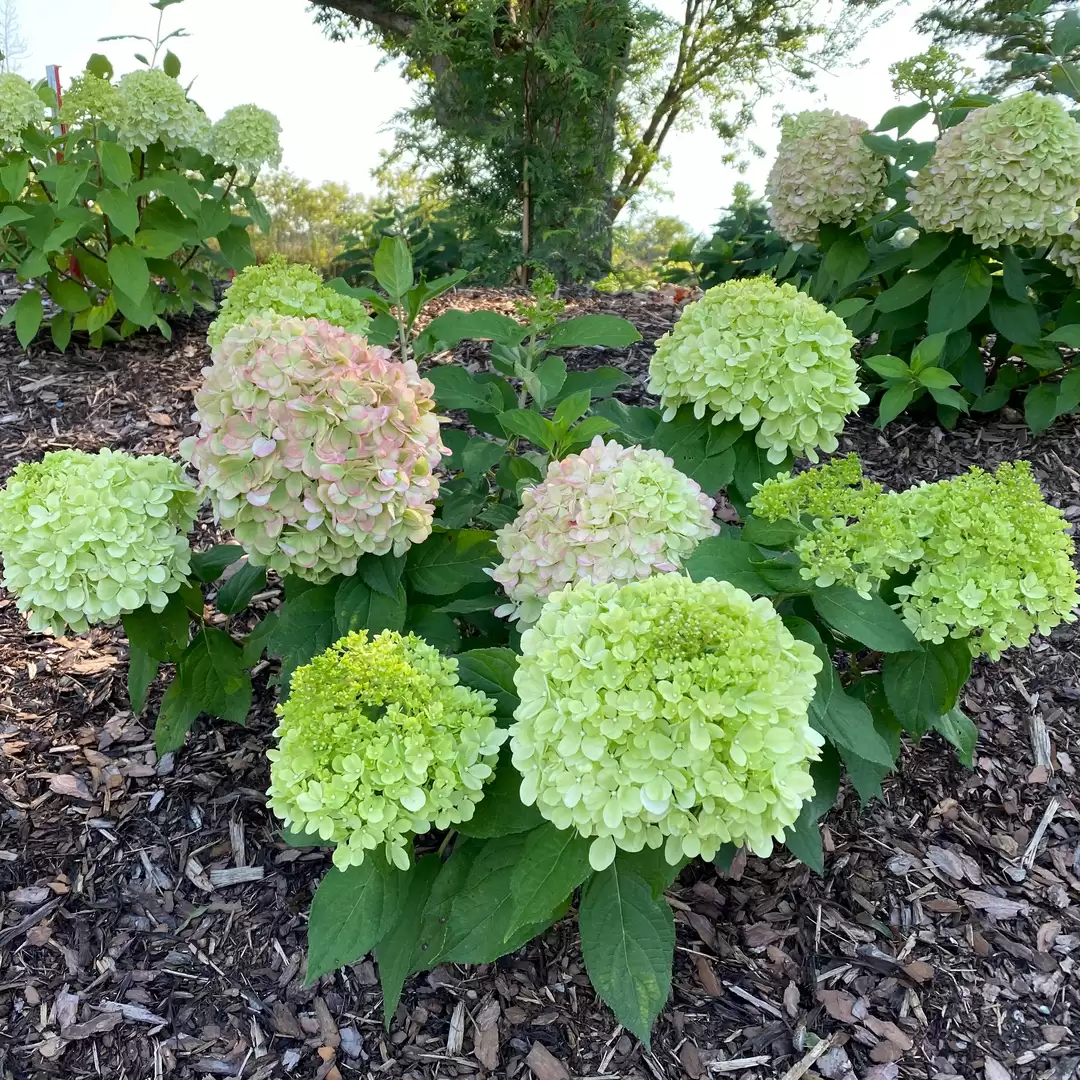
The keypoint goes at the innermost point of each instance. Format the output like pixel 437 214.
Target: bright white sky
pixel 335 102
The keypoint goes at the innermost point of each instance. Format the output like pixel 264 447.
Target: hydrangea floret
pixel 610 513
pixel 1066 251
pixel 1006 174
pixel 823 174
pixel 992 559
pixel 665 712
pixel 277 287
pixel 20 107
pixel 247 138
pixel 86 538
pixel 90 99
pixel 315 448
pixel 153 107
pixel 766 355
pixel 378 741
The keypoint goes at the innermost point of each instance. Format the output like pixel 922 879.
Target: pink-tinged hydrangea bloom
pixel 315 447
pixel 610 513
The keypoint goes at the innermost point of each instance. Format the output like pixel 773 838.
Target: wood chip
pixel 455 1037
pixel 840 1005
pixel 544 1064
pixel 955 863
pixel 71 786
pixel 995 1070
pixel 29 897
pixel 690 1060
pixel 919 970
pixel 328 1028
pixel 486 1039
pixel 886 1029
pixel 707 977
pixel 235 875
pixel 997 907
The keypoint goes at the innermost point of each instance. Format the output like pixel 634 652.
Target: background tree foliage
pixel 544 118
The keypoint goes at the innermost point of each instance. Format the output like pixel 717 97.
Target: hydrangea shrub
pixel 86 538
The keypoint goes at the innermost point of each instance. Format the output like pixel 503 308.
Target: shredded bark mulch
pixel 152 924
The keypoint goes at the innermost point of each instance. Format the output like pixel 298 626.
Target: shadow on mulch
pixel 151 924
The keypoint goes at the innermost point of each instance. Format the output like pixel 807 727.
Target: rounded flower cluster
pixel 379 741
pixel 1005 174
pixel 610 513
pixel 1066 251
pixel 315 448
pixel 277 287
pixel 247 137
pixel 86 538
pixel 665 712
pixel 152 107
pixel 996 565
pixel 20 107
pixel 823 174
pixel 90 99
pixel 766 355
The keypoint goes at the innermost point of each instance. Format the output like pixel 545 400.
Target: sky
pixel 335 101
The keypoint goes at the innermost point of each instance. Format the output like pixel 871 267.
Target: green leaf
pixel 959 294
pixel 753 467
pixel 1069 392
pixel 28 312
pixel 928 352
pixel 574 408
pixel 1067 335
pixel 68 294
pixel 210 565
pixel 492 671
pixel 142 670
pixel 157 244
pixel 725 559
pixel 394 266
pixel 803 839
pixel 696 447
pixel 501 812
pixel 479 455
pixel 628 941
pixel 357 606
pixel 446 562
pixel 236 593
pixel 921 686
pixel 869 621
pixel 456 388
pixel 99 65
pixel 1041 406
pixel 936 378
pixel 451 327
pixel 69 181
pixel 213 676
pixel 847 723
pixel 163 634
pixel 554 863
pixel 128 270
pixel 529 425
pixel 894 401
pixel 601 382
pixel 903 117
pixel 382 572
pixel 398 951
pixel 888 367
pixel 1065 79
pixel 236 247
pixel 1016 320
pixel 138 311
pixel 306 626
pixel 115 163
pixel 636 424
pixel 950 398
pixel 652 866
pixel 550 376
pixel 845 261
pixel 171 65
pixel 181 191
pixel 120 208
pixel 958 729
pixel 10 215
pixel 607 330
pixel 352 912
pixel 1066 35
pixel 770 534
pixel 175 717
pixel 60 327
pixel 852 306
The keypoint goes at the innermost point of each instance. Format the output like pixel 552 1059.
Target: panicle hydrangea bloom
pixel 247 137
pixel 766 355
pixel 665 712
pixel 153 106
pixel 823 174
pixel 1005 174
pixel 997 560
pixel 610 513
pixel 378 741
pixel 86 538
pixel 277 287
pixel 315 447
pixel 1066 251
pixel 90 99
pixel 20 107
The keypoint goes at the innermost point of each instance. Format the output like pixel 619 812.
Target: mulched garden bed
pixel 152 925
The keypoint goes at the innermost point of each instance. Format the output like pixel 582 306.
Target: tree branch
pixel 385 16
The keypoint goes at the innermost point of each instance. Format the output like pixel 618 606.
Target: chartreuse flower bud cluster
pixel 992 559
pixel 665 712
pixel 315 447
pixel 86 538
pixel 90 99
pixel 823 174
pixel 378 741
pixel 20 107
pixel 277 287
pixel 1005 174
pixel 766 355
pixel 247 137
pixel 610 513
pixel 153 107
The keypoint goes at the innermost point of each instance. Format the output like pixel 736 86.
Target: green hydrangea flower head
pixel 86 538
pixel 247 137
pixel 665 712
pixel 90 99
pixel 1066 251
pixel 823 174
pixel 277 287
pixel 20 107
pixel 997 561
pixel 1006 174
pixel 154 107
pixel 610 513
pixel 766 355
pixel 315 448
pixel 378 741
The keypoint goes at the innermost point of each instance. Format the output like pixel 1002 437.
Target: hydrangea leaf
pixel 306 625
pixel 382 572
pixel 175 716
pixel 959 294
pixel 501 812
pixel 803 839
pixel 492 672
pixel 959 730
pixel 210 565
pixel 628 942
pixel 237 590
pixel 869 621
pixel 448 561
pixel 923 685
pixel 142 670
pixel 651 865
pixel 731 560
pixel 601 382
pixel 554 862
pixel 753 467
pixel 163 634
pixel 213 676
pixel 357 606
pixel 596 330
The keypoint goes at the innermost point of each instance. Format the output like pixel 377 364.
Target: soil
pixel 152 924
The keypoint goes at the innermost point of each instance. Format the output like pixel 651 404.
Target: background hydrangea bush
pixel 674 693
